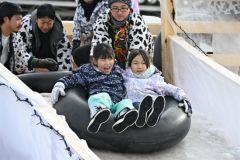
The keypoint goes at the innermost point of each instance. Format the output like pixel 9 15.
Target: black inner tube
pixel 171 129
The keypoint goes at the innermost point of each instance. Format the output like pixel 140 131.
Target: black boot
pixel 156 112
pixel 143 109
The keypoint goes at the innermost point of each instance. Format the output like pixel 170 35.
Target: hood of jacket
pixel 148 73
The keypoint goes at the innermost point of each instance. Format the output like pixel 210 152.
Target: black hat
pixel 8 8
pixel 128 2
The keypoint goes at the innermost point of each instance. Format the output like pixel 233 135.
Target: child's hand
pixel 187 107
pixel 57 90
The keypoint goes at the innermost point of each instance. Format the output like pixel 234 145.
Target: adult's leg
pixel 81 55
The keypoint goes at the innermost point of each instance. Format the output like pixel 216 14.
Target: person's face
pixel 88 1
pixel 14 23
pixel 104 65
pixel 138 65
pixel 120 11
pixel 45 24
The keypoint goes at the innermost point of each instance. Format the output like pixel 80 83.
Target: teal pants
pixel 103 100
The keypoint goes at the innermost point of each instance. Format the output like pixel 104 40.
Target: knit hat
pixel 8 8
pixel 128 2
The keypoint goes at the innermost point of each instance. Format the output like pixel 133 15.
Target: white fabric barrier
pixel 213 90
pixel 30 129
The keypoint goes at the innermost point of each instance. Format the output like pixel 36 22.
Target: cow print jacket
pixel 83 28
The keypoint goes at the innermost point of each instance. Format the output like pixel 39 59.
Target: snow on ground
pixel 203 142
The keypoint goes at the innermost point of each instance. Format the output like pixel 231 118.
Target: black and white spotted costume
pixel 60 45
pixel 83 28
pixel 139 35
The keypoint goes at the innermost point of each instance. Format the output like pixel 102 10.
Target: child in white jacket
pixel 146 88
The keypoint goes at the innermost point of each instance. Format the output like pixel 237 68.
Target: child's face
pixel 138 65
pixel 104 65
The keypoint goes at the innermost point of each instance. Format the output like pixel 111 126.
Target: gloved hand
pixel 76 44
pixel 58 89
pixel 186 105
pixel 48 63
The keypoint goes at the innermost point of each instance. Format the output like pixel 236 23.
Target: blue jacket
pixel 96 82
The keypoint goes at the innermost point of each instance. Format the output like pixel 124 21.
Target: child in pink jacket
pixel 146 88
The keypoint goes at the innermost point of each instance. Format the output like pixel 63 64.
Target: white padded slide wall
pixel 213 90
pixel 30 128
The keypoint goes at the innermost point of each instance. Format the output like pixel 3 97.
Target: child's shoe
pixel 143 109
pixel 156 112
pixel 98 119
pixel 125 120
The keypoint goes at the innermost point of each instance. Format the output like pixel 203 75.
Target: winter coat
pixel 83 28
pixel 96 82
pixel 149 83
pixel 30 42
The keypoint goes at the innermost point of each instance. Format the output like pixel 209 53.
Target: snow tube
pixel 171 129
pixel 157 56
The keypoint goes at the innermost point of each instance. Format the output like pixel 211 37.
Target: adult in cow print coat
pixel 10 22
pixel 44 44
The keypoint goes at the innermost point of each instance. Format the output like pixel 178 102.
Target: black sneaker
pixel 143 109
pixel 125 121
pixel 156 112
pixel 98 119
